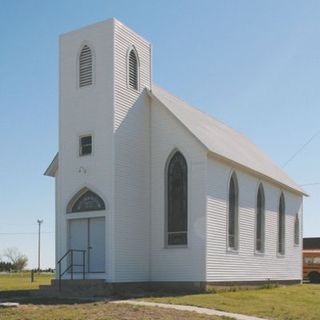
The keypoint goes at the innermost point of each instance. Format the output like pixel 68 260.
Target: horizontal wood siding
pixel 131 148
pixel 246 265
pixel 177 264
pixel 85 110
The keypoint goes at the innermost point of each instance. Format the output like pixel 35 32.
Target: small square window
pixel 85 145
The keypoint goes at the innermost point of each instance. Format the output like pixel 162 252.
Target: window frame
pixel 296 228
pixel 93 73
pixel 235 248
pixel 84 135
pixel 263 210
pixel 281 247
pixel 76 197
pixel 133 49
pixel 166 220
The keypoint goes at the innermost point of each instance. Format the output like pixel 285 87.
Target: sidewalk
pixel 210 312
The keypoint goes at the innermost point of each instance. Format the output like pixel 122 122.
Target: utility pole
pixel 39 239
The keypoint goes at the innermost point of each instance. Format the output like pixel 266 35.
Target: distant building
pixel 153 190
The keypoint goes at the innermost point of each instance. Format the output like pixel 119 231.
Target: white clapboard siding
pixel 176 264
pixel 245 265
pixel 132 160
pixel 84 110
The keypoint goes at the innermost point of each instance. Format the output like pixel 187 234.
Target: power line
pixel 25 233
pixel 19 224
pixel 301 148
pixel 310 184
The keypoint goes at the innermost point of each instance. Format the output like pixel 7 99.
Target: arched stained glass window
pixel 233 213
pixel 296 230
pixel 177 200
pixel 281 225
pixel 85 200
pixel 133 70
pixel 260 220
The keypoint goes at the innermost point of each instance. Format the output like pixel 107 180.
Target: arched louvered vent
pixel 133 70
pixel 85 67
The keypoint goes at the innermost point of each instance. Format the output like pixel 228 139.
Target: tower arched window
pixel 260 218
pixel 233 212
pixel 133 69
pixel 177 200
pixel 296 230
pixel 85 66
pixel 281 225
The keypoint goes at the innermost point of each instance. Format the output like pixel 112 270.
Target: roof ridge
pixel 225 141
pixel 205 113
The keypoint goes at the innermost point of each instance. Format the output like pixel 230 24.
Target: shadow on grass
pixel 32 297
pixel 38 300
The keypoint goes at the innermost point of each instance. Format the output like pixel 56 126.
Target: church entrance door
pixel 88 234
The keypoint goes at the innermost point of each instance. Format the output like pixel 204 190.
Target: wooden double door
pixel 88 234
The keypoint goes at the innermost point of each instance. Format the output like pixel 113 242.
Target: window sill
pixel 281 255
pixel 232 251
pixel 259 253
pixel 87 86
pixel 85 155
pixel 133 89
pixel 176 246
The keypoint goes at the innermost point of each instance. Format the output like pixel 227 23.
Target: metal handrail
pixel 71 251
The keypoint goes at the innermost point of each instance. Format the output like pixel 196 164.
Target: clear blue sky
pixel 252 64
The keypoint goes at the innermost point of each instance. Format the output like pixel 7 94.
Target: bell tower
pixel 105 71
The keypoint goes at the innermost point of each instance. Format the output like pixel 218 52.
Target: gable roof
pixel 53 167
pixel 223 141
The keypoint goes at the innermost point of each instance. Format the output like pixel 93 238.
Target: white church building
pixel 150 189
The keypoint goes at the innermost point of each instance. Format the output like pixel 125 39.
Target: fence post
pixel 32 275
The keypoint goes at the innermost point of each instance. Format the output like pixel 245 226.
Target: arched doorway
pixel 87 233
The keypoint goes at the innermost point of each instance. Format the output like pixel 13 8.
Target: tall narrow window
pixel 233 213
pixel 296 230
pixel 177 200
pixel 281 225
pixel 85 67
pixel 133 70
pixel 260 220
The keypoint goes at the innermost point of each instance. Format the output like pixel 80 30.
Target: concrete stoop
pixel 76 288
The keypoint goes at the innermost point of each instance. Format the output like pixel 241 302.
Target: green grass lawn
pixel 300 302
pixel 45 309
pixel 32 308
pixel 22 281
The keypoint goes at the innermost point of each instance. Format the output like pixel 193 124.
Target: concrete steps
pixel 76 288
